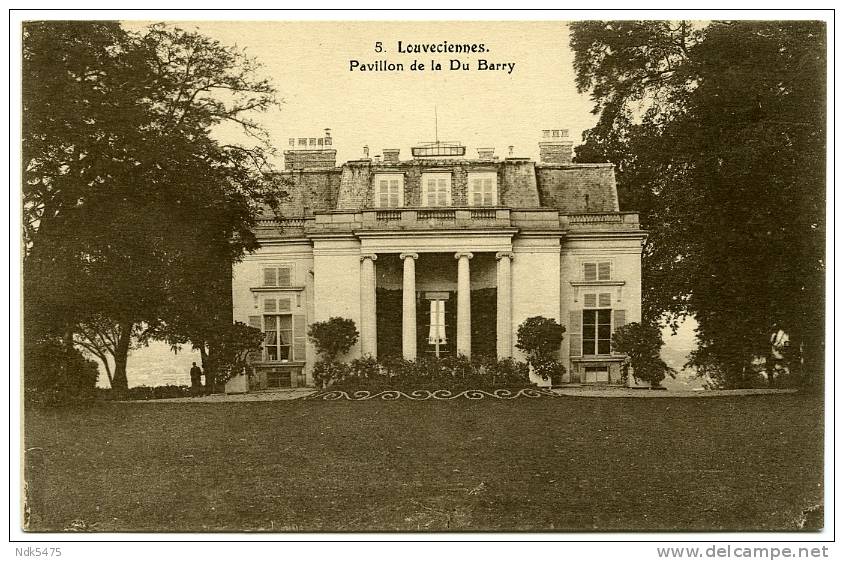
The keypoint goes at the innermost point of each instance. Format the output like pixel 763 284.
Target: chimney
pixel 391 155
pixel 365 152
pixel 510 151
pixel 377 159
pixel 310 153
pixel 486 153
pixel 555 148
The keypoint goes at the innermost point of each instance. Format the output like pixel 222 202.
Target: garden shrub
pixel 540 337
pixel 453 373
pixel 333 338
pixel 326 373
pixel 55 374
pixel 142 393
pixel 548 368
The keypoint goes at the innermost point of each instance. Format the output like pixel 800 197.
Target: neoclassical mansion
pixel 441 254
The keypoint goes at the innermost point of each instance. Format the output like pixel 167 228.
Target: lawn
pixel 545 464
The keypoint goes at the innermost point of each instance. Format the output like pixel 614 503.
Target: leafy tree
pixel 718 131
pixel 104 339
pixel 642 343
pixel 540 337
pixel 233 346
pixel 333 338
pixel 129 199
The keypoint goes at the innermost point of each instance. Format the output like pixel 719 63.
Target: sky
pixel 309 64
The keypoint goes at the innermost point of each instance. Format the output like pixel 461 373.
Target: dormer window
pixel 389 190
pixel 483 189
pixel 436 189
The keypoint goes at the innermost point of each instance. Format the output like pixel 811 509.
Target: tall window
pixel 436 331
pixel 278 330
pixel 483 189
pixel 389 190
pixel 597 271
pixel 436 189
pixel 597 324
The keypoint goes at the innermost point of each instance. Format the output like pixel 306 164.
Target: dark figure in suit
pixel 195 380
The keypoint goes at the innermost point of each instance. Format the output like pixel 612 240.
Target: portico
pixel 442 289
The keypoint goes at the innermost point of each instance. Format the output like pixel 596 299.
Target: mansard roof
pixel 570 188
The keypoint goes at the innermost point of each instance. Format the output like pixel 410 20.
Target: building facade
pixel 441 254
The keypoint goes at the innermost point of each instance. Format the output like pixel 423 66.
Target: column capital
pixel 365 256
pixel 465 254
pixel 504 255
pixel 404 256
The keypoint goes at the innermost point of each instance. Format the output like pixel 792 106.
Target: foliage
pixel 718 133
pixel 641 343
pixel 105 340
pixel 540 338
pixel 56 374
pixel 367 367
pixel 170 391
pixel 233 344
pixel 548 368
pixel 456 372
pixel 128 198
pixel 333 337
pixel 327 372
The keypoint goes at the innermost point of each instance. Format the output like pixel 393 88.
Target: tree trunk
pixel 207 369
pixel 120 383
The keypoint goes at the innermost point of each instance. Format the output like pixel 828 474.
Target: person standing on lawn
pixel 195 380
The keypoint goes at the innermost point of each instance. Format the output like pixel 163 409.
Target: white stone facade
pixel 504 263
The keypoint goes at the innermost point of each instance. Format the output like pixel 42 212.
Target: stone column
pixel 504 306
pixel 368 331
pixel 464 304
pixel 408 309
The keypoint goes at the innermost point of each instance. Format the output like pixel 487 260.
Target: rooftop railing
pixel 445 218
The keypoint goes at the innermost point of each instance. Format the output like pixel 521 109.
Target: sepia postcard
pixel 420 275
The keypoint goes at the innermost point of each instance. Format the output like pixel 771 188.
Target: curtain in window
pixel 436 331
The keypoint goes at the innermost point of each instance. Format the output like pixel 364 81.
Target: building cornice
pixel 607 234
pixel 436 233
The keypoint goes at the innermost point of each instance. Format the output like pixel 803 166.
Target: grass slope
pixel 738 463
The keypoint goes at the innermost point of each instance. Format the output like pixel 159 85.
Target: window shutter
pixel 269 276
pixel 604 271
pixel 284 276
pixel 575 333
pixel 255 355
pixel 269 305
pixel 590 272
pixel 604 300
pixel 299 337
pixel 589 300
pixel 620 319
pixel 284 304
